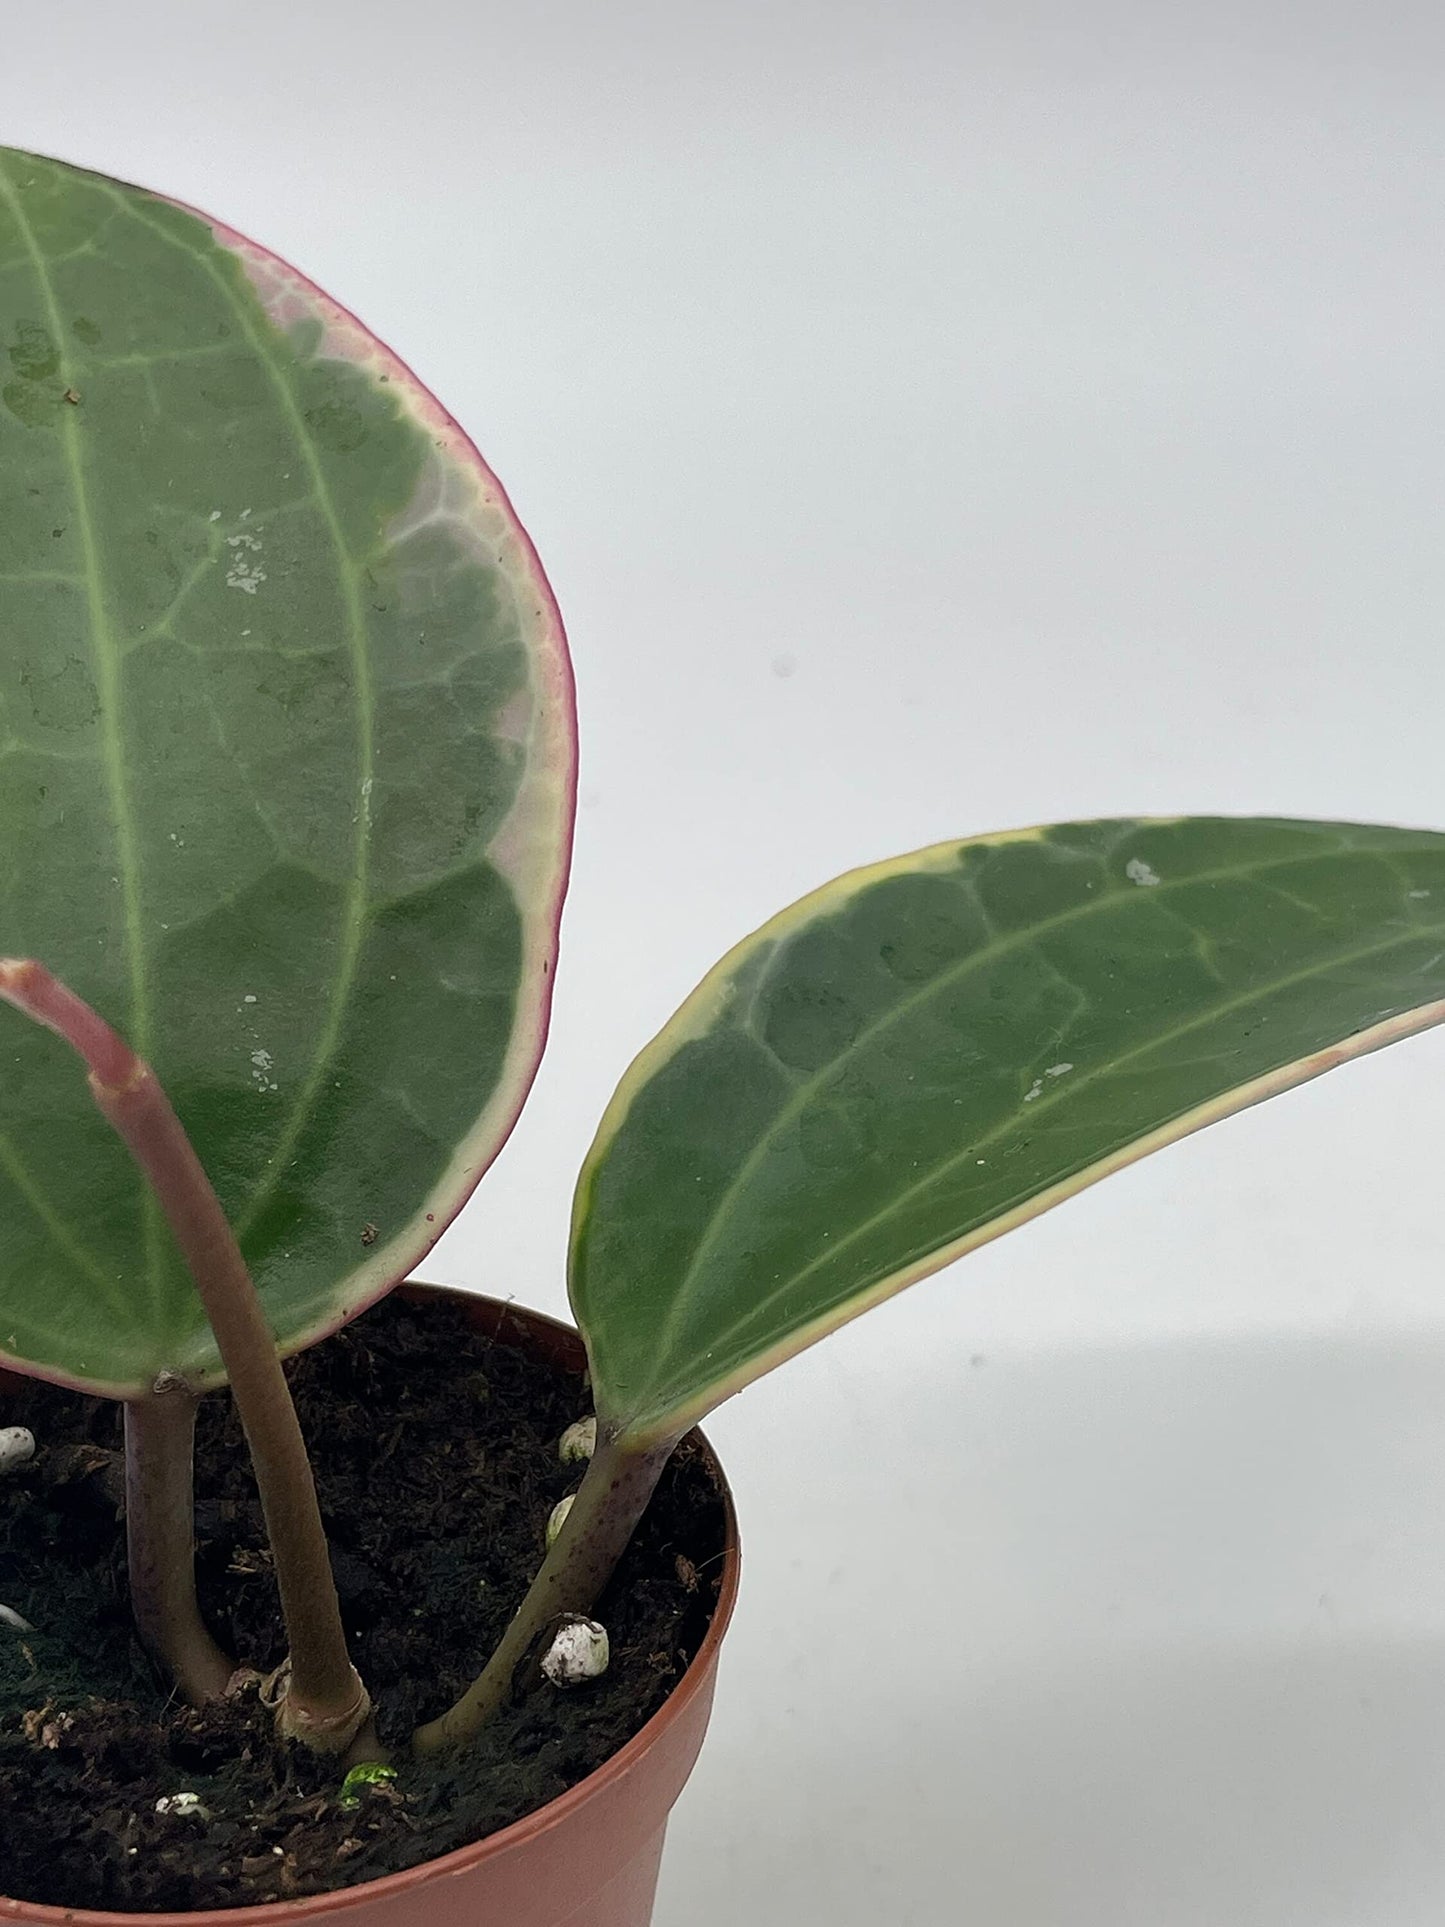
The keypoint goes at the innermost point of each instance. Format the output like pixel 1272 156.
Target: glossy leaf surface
pixel 285 776
pixel 928 1052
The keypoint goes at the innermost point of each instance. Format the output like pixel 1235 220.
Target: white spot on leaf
pixel 244 573
pixel 1138 871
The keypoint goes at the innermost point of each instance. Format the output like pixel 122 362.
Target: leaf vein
pixel 948 978
pixel 358 642
pixel 106 655
pixel 1061 1093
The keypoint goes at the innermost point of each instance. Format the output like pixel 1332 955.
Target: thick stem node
pixel 322 1732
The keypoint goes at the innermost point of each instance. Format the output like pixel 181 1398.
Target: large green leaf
pixel 285 776
pixel 928 1052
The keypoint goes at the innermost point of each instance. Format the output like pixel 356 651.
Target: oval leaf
pixel 286 760
pixel 928 1052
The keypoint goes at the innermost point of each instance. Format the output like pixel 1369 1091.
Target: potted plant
pixel 287 798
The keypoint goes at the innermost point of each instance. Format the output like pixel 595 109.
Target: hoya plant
pixel 286 763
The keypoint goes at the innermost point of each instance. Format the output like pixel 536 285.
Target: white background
pixel 935 418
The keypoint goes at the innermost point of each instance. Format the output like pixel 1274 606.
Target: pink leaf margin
pixel 533 847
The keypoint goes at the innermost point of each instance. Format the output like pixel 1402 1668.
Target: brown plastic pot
pixel 589 1859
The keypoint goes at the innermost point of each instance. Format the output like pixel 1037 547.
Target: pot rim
pixel 521 1832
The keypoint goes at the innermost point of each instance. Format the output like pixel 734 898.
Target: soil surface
pixel 436 1461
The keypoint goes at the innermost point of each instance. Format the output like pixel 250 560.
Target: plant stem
pixel 160 1541
pixel 610 1501
pixel 324 1702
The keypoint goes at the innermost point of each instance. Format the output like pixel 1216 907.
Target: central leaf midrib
pixel 660 1402
pixel 105 654
pixel 358 642
pixel 808 1085
pixel 1067 1092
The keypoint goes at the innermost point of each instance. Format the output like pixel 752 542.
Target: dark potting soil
pixel 436 1461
